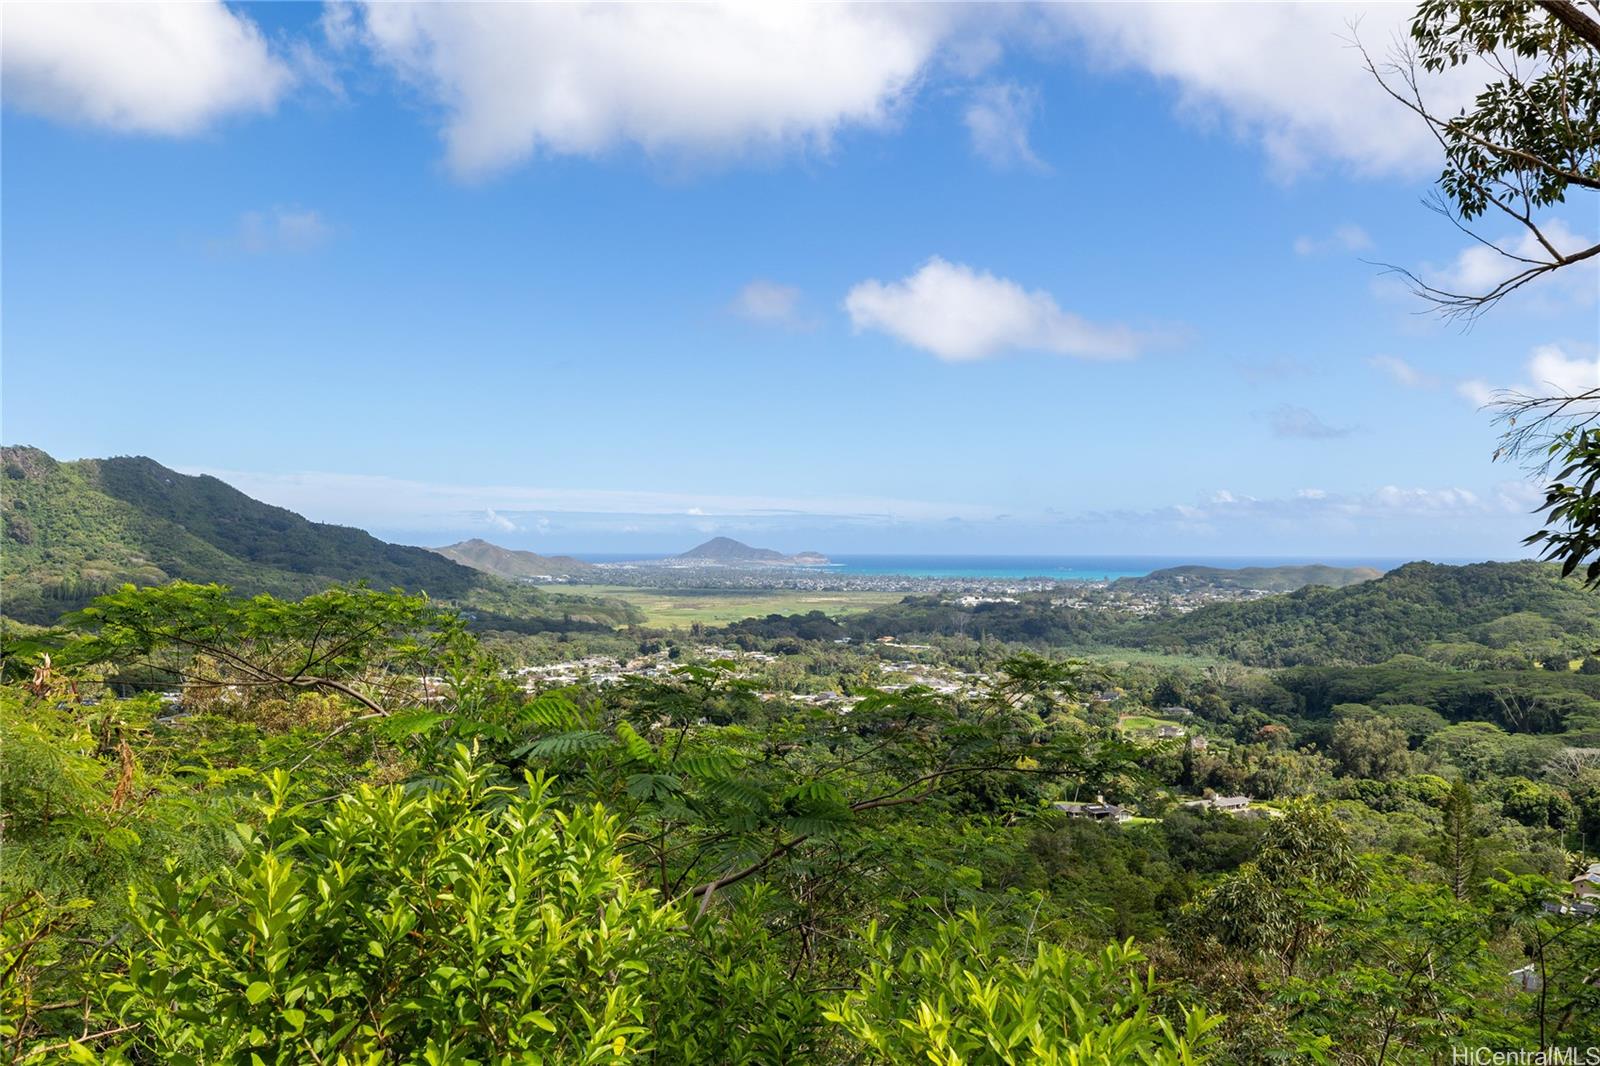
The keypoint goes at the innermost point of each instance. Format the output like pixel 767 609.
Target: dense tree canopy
pixel 294 847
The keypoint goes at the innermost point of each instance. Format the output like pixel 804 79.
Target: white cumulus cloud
pixel 1478 268
pixel 149 68
pixel 960 314
pixel 1283 74
pixel 718 80
pixel 1550 372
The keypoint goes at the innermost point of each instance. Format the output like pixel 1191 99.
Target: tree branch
pixel 1570 16
pixel 895 798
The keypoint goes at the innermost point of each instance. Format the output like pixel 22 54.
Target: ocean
pixel 1055 567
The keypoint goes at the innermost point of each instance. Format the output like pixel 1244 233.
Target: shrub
pixel 464 922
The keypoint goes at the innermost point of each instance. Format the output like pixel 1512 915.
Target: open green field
pixel 1140 723
pixel 680 608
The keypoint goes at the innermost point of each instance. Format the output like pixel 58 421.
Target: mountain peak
pixel 726 551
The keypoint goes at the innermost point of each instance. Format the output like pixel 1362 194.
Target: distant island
pixel 725 551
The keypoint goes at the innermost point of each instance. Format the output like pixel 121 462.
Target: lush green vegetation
pixel 352 836
pixel 76 530
pixel 334 825
pixel 1508 614
pixel 1572 500
pixel 1033 620
pixel 1497 605
pixel 338 828
pixel 1264 578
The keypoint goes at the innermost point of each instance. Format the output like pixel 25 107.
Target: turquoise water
pixel 995 567
pixel 1061 567
pixel 1055 567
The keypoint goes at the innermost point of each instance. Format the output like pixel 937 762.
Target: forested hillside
pixel 808 852
pixel 75 530
pixel 1483 614
pixel 1265 578
pixel 1494 605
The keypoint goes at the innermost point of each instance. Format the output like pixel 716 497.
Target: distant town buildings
pixel 1222 804
pixel 1098 811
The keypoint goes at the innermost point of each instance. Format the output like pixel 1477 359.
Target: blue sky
pixel 1034 280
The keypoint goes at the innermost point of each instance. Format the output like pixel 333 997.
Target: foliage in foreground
pixel 691 868
pixel 469 922
pixel 1572 506
pixel 474 922
pixel 962 999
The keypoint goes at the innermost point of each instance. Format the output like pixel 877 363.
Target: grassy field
pixel 680 608
pixel 1137 723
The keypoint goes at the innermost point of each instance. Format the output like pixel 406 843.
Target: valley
pixel 1110 758
pixel 678 608
pixel 799 534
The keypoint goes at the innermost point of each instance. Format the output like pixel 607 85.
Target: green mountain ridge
pixel 1493 604
pixel 75 530
pixel 1484 611
pixel 1264 578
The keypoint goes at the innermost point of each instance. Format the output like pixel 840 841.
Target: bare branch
pixel 1534 422
pixel 1510 194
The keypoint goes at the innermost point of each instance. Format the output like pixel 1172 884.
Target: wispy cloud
pixel 1402 372
pixel 1390 519
pixel 1442 521
pixel 1346 238
pixel 364 499
pixel 1301 423
pixel 495 520
pixel 997 118
pixel 1280 368
pixel 769 303
pixel 279 229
